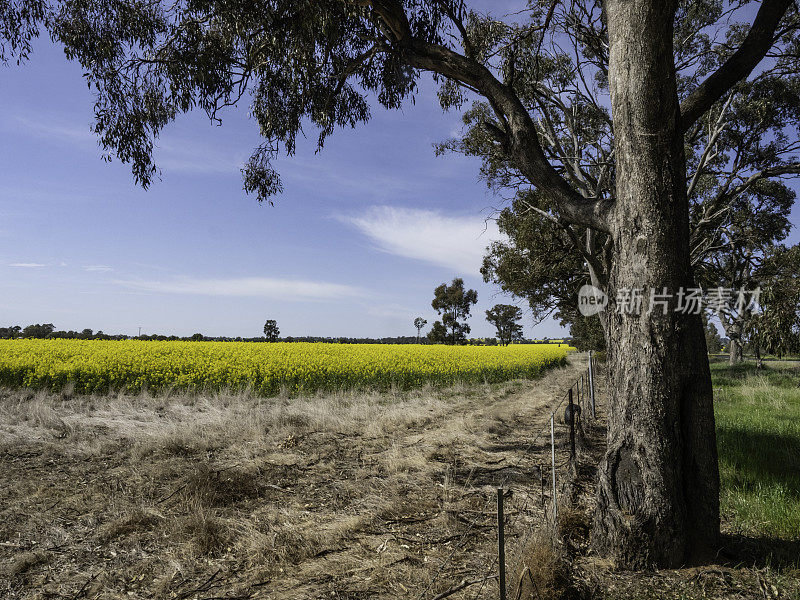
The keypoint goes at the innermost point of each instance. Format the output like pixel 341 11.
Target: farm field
pixel 264 368
pixel 353 494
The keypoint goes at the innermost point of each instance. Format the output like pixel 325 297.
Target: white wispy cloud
pixel 261 287
pixel 389 311
pixel 27 265
pixel 53 128
pixel 172 153
pixel 454 242
pixel 98 268
pixel 183 156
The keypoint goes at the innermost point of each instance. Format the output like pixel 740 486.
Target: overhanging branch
pixel 739 65
pixel 523 144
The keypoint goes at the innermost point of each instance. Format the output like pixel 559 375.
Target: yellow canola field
pixel 132 365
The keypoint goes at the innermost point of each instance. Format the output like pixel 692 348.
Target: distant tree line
pixel 453 302
pixel 48 330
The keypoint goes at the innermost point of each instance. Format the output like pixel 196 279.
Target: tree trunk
pixel 658 489
pixel 733 330
pixel 736 350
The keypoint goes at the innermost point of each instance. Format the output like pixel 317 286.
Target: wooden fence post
pixel 501 544
pixel 591 382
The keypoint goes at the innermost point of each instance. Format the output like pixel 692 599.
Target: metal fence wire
pixel 570 418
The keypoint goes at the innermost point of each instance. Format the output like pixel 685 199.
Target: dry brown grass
pixel 348 494
pixel 540 569
pixel 136 520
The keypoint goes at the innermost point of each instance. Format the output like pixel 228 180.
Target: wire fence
pixel 568 435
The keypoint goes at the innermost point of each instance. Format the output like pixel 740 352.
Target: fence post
pixel 501 544
pixel 571 426
pixel 553 459
pixel 543 480
pixel 591 382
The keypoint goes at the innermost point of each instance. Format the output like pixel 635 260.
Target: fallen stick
pixel 164 499
pixel 462 585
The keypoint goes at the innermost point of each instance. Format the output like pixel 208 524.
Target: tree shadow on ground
pixel 761 457
pixel 759 552
pixel 778 374
pixel 761 461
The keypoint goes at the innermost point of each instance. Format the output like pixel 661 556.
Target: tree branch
pixel 523 139
pixel 585 251
pixel 739 65
pixel 776 171
pixel 523 144
pixel 719 126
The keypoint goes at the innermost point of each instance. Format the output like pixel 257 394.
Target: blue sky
pixel 354 246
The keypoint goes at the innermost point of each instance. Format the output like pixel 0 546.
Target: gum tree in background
pixel 271 331
pixel 454 303
pixel 623 185
pixel 714 342
pixel 438 333
pixel 775 323
pixel 39 331
pixel 742 256
pixel 11 332
pixel 505 318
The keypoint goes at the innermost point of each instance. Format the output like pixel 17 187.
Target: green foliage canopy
pixel 454 303
pixel 505 318
pixel 271 331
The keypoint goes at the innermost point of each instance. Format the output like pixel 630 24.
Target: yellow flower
pixel 267 367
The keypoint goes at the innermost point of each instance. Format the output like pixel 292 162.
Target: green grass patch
pixel 758 437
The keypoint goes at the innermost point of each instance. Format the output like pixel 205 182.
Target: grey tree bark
pixel 658 492
pixel 735 356
pixel 734 328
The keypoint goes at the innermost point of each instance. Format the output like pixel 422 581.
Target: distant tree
pixel 86 334
pixel 453 302
pixel 505 318
pixel 741 253
pixel 713 339
pixel 438 333
pixel 419 323
pixel 271 331
pixel 197 337
pixel 10 333
pixel 38 331
pixel 775 327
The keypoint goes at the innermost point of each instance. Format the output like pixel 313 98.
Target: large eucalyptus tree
pixel 666 66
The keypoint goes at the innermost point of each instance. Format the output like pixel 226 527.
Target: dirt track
pixel 350 495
